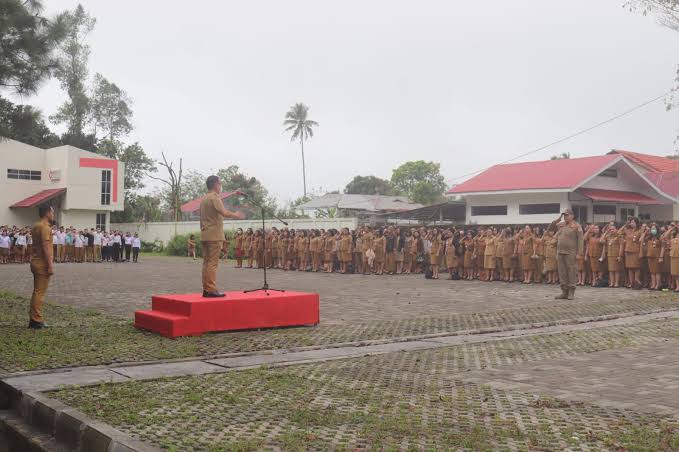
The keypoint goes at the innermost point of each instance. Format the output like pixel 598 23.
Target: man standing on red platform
pixel 212 214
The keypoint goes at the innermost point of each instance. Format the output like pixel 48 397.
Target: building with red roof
pixel 83 187
pixel 599 189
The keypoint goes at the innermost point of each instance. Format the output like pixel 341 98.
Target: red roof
pixel 194 205
pixel 666 182
pixel 547 174
pixel 39 198
pixel 596 194
pixel 649 162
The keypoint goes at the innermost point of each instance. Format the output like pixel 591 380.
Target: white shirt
pixel 4 241
pixel 116 239
pixel 78 241
pixel 97 238
pixel 62 238
pixel 104 241
pixel 136 242
pixel 20 240
pixel 29 240
pixel 128 240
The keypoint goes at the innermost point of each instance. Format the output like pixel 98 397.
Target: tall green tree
pixel 368 185
pixel 110 110
pixel 72 73
pixel 297 121
pixel 420 181
pixel 233 179
pixel 24 123
pixel 27 43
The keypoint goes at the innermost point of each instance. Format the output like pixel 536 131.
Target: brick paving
pixel 120 289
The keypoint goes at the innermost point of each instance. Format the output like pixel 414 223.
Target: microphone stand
pixel 265 286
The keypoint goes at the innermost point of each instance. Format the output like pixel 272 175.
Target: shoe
pixel 571 293
pixel 563 296
pixel 213 294
pixel 37 325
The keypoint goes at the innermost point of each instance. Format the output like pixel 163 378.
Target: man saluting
pixel 569 246
pixel 212 214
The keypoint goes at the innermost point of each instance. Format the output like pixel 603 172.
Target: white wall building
pixel 83 187
pixel 604 188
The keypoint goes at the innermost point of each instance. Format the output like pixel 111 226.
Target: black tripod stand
pixel 265 286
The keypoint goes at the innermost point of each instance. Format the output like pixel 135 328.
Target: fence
pixel 164 231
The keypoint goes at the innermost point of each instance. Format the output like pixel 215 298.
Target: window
pixel 580 213
pixel 602 209
pixel 489 210
pixel 24 174
pixel 106 187
pixel 536 209
pixel 101 221
pixel 610 172
pixel 625 213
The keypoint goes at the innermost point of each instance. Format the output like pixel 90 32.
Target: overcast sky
pixel 463 83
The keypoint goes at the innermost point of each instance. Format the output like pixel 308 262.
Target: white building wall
pixel 512 201
pixel 164 231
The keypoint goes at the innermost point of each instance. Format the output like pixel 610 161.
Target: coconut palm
pixel 302 128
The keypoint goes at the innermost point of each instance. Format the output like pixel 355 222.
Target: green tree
pixel 368 185
pixel 291 210
pixel 27 43
pixel 110 109
pixel 193 185
pixel 24 123
pixel 420 181
pixel 298 122
pixel 141 208
pixel 72 74
pixel 233 179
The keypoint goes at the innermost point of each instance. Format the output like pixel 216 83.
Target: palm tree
pixel 296 121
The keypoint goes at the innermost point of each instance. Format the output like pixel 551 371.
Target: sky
pixel 464 83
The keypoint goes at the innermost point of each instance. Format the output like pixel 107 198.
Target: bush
pixel 178 246
pixel 152 247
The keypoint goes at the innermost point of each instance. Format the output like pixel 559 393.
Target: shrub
pixel 152 247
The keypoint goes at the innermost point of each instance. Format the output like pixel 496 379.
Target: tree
pixel 110 109
pixel 193 185
pixel 291 210
pixel 233 179
pixel 174 183
pixel 24 123
pixel 297 121
pixel 368 185
pixel 563 155
pixel 667 11
pixel 27 44
pixel 141 208
pixel 420 181
pixel 72 74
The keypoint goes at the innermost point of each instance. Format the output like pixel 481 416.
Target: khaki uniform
pixel 367 244
pixel 613 243
pixel 451 256
pixel 211 238
pixel 674 256
pixel 594 249
pixel 631 240
pixel 653 254
pixel 489 253
pixel 42 234
pixel 345 248
pixel 569 243
pixel 550 254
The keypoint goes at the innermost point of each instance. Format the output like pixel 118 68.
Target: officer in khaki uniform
pixel 569 246
pixel 41 264
pixel 212 213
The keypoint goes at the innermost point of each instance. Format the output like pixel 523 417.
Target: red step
pixel 191 314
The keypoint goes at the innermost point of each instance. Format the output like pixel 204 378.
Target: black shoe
pixel 213 294
pixel 37 325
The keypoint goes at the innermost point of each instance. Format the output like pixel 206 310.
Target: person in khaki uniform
pixel 569 246
pixel 212 214
pixel 41 264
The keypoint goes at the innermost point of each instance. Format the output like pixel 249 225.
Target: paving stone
pixel 48 381
pixel 176 369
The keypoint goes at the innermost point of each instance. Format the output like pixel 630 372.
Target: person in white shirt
pixel 4 247
pixel 61 244
pixel 79 247
pixel 128 246
pixel 20 247
pixel 116 247
pixel 97 246
pixel 55 241
pixel 136 246
pixel 105 248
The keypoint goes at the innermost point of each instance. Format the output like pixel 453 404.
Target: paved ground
pixel 603 385
pixel 120 289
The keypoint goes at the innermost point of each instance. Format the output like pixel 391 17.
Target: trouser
pixel 128 250
pixel 116 251
pixel 40 283
pixel 89 250
pixel 97 253
pixel 567 270
pixel 211 250
pixel 60 253
pixel 135 254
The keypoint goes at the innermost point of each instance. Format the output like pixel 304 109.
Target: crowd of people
pixel 635 255
pixel 71 245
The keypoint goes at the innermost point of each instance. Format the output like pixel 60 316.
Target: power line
pixel 573 135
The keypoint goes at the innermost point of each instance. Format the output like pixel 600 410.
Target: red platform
pixel 192 315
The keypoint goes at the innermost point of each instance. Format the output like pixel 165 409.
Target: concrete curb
pixel 40 423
